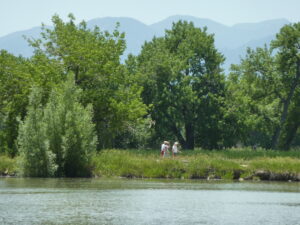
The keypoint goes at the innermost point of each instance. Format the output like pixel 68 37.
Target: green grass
pixel 199 164
pixel 277 165
pixel 232 153
pixel 245 153
pixel 128 164
pixel 8 166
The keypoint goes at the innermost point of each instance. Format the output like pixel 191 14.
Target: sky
pixel 16 15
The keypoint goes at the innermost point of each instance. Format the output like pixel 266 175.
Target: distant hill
pixel 232 41
pixel 16 44
pixel 136 32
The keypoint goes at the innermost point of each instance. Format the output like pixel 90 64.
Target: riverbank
pixel 233 164
pixel 229 164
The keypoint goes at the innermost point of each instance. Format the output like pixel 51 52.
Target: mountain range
pixel 232 41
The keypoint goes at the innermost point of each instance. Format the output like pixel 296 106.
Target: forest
pixel 75 96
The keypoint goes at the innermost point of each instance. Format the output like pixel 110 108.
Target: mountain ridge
pixel 229 40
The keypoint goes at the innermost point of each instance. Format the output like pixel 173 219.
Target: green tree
pixel 37 159
pixel 70 131
pixel 292 125
pixel 266 84
pixel 94 58
pixel 253 89
pixel 14 90
pixel 59 138
pixel 287 43
pixel 183 82
pixel 17 76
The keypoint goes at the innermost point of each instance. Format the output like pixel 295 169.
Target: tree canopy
pixel 266 84
pixel 94 57
pixel 76 89
pixel 183 82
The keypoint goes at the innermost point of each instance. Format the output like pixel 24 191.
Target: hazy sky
pixel 18 15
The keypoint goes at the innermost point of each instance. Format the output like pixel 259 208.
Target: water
pixel 135 202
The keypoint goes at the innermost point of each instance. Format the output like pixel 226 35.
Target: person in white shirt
pixel 175 149
pixel 163 148
pixel 164 151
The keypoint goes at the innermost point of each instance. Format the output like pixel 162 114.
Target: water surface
pixel 133 202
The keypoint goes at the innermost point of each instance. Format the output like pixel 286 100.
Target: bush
pixel 36 158
pixel 8 166
pixel 58 139
pixel 71 131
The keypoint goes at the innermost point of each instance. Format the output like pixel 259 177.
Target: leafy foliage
pixel 94 58
pixel 37 158
pixel 14 89
pixel 60 135
pixel 174 89
pixel 266 86
pixel 182 80
pixel 71 131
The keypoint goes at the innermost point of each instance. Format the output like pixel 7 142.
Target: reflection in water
pixel 122 201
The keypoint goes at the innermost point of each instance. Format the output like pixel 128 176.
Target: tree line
pixel 74 95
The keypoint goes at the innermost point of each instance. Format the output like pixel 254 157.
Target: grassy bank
pixel 199 164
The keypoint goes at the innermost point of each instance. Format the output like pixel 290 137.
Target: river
pixel 134 202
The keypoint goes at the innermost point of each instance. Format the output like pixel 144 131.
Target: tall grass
pixel 198 164
pixel 8 166
pixel 245 153
pixel 229 164
pixel 128 164
pixel 276 165
pixel 231 153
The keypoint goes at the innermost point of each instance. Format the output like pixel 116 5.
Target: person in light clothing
pixel 166 151
pixel 175 149
pixel 163 148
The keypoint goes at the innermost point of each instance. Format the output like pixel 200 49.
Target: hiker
pixel 163 148
pixel 175 149
pixel 166 151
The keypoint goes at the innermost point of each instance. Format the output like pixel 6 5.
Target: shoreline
pixel 204 165
pixel 257 176
pixel 234 165
pixel 263 176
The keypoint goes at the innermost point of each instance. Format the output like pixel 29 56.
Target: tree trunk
pixel 292 131
pixel 190 139
pixel 277 132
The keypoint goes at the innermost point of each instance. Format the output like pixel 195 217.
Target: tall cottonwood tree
pixel 267 81
pixel 183 82
pixel 291 128
pixel 252 90
pixel 287 43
